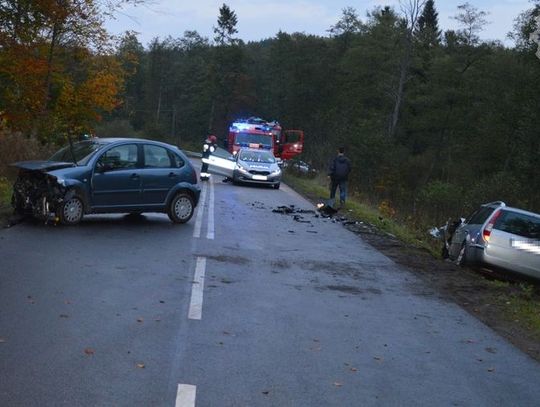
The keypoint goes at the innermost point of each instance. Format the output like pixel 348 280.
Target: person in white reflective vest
pixel 209 147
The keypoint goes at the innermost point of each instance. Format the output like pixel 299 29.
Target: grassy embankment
pixel 519 303
pixel 5 200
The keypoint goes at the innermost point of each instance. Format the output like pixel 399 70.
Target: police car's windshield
pixel 261 156
pixel 82 151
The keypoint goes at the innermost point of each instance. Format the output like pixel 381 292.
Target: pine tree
pixel 226 27
pixel 428 31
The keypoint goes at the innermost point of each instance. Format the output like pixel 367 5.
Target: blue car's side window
pixel 156 157
pixel 119 158
pixel 178 160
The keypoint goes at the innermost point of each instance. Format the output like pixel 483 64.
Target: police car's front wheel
pixel 181 208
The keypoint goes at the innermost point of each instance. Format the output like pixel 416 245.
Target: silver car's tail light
pixel 486 233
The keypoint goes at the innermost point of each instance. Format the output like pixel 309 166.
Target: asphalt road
pixel 240 307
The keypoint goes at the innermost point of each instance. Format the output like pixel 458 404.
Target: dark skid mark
pixel 345 289
pixel 282 264
pixel 229 259
pixel 227 281
pixel 353 290
pixel 354 270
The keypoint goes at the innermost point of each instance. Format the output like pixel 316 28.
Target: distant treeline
pixel 434 122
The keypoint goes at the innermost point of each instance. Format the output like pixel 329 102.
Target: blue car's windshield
pixel 82 151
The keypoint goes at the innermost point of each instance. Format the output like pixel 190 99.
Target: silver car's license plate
pixel 526 245
pixel 260 177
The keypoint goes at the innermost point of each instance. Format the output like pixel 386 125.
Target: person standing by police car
pixel 209 146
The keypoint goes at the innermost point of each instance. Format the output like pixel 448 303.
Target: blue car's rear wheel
pixel 181 208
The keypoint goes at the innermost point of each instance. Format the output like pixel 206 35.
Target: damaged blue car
pixel 107 175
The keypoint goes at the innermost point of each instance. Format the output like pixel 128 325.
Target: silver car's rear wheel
pixel 71 211
pixel 181 208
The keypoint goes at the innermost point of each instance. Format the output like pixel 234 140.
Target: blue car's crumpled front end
pixel 36 191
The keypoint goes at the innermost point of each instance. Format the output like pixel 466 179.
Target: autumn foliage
pixel 57 71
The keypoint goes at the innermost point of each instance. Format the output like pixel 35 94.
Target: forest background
pixel 434 122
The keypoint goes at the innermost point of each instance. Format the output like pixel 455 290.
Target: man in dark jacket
pixel 339 170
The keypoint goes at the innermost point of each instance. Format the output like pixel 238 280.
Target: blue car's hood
pixel 42 165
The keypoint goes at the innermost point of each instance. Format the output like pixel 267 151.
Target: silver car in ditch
pixel 499 236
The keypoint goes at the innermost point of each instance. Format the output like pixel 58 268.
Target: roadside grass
pixel 5 200
pixel 315 189
pixel 520 303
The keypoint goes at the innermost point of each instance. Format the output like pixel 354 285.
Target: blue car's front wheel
pixel 181 208
pixel 71 211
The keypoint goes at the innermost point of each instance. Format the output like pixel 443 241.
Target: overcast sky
pixel 259 19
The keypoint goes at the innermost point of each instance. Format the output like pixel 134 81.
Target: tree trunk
pixel 50 58
pixel 158 109
pixel 404 70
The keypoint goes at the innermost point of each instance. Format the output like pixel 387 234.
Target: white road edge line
pixel 185 395
pixel 210 233
pixel 200 212
pixel 197 288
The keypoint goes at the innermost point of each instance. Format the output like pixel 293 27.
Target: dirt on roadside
pixel 483 294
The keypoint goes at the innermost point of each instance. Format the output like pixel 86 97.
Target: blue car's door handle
pixel 134 176
pixel 172 175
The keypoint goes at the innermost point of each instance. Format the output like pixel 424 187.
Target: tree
pixel 411 12
pixel 349 23
pixel 526 34
pixel 226 27
pixel 42 45
pixel 473 21
pixel 427 31
pixel 130 54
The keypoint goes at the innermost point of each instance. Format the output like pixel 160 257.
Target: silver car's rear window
pixel 518 224
pixel 480 216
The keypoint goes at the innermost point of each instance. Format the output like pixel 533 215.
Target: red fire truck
pixel 258 133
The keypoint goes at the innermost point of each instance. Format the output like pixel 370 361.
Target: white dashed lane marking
pixel 200 213
pixel 197 288
pixel 211 225
pixel 185 395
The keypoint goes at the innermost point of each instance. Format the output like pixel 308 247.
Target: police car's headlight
pixel 241 168
pixel 276 172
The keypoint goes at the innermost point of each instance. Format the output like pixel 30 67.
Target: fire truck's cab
pixel 258 133
pixel 291 144
pixel 252 133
